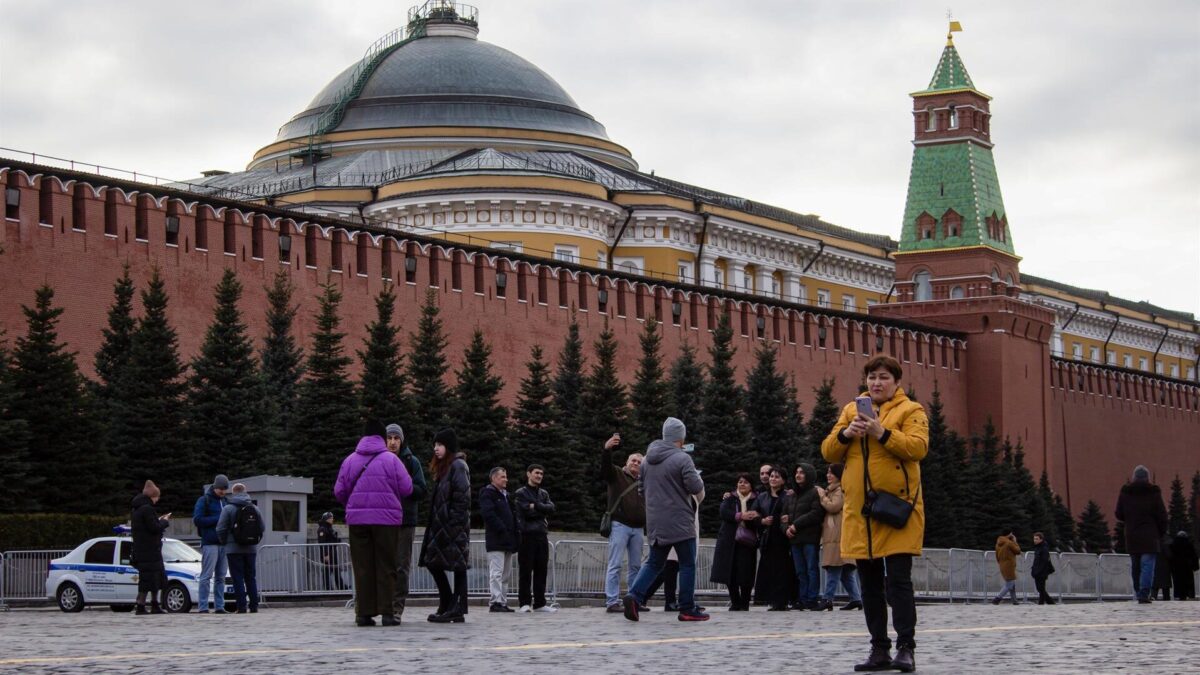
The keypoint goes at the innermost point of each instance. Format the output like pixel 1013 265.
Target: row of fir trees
pixel 69 444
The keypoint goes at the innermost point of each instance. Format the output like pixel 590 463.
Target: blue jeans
pixel 212 566
pixel 245 578
pixel 849 578
pixel 1141 565
pixel 806 558
pixel 686 550
pixel 624 541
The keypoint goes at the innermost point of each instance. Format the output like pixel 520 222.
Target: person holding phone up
pixel 881 439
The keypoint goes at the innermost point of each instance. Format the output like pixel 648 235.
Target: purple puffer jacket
pixel 375 499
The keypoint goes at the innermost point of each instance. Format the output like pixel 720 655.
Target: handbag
pixel 745 536
pixel 606 519
pixel 886 507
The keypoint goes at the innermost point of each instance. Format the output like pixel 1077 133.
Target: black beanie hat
pixel 448 438
pixel 374 428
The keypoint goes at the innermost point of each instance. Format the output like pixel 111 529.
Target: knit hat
pixel 374 428
pixel 1141 474
pixel 328 515
pixel 220 482
pixel 151 490
pixel 673 430
pixel 394 429
pixel 448 438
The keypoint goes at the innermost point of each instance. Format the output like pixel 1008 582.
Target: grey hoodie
pixel 228 516
pixel 669 481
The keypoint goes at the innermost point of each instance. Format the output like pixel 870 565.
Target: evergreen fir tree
pixel 1046 495
pixel 224 417
pixel 983 518
pixel 20 494
pixel 1119 538
pixel 537 438
pixel 722 440
pixel 479 420
pixel 327 422
pixel 69 475
pixel 568 384
pixel 282 367
pixel 1064 524
pixel 1019 484
pixel 147 409
pixel 113 355
pixel 1177 509
pixel 941 479
pixel 427 369
pixel 822 419
pixel 383 389
pixel 687 387
pixel 606 404
pixel 650 395
pixel 1093 529
pixel 794 427
pixel 767 414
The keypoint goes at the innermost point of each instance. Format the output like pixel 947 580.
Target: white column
pixel 708 269
pixel 764 281
pixel 791 287
pixel 735 269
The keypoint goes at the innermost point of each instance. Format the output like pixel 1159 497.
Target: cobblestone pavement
pixel 1110 637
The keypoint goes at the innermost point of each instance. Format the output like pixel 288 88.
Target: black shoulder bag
pixel 886 507
pixel 606 519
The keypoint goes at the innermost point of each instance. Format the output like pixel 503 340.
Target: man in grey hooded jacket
pixel 673 490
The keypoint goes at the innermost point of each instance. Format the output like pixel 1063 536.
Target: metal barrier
pixel 23 574
pixel 305 569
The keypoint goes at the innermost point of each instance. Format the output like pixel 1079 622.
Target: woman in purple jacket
pixel 370 484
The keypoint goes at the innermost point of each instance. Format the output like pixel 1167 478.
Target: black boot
pixel 905 660
pixel 456 614
pixel 364 621
pixel 880 659
pixel 141 609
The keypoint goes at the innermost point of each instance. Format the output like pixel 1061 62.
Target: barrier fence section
pixel 23 574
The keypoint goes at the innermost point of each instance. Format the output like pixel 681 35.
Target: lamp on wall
pixel 821 333
pixel 410 265
pixel 676 310
pixel 501 279
pixel 285 246
pixel 878 343
pixel 602 297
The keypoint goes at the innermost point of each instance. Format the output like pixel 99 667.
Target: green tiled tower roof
pixel 960 176
pixel 950 73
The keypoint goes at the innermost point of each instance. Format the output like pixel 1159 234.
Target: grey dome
pixel 452 81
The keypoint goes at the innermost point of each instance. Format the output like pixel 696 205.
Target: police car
pixel 99 572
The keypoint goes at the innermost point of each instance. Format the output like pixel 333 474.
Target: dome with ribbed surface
pixel 439 81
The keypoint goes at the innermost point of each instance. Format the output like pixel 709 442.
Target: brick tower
pixel 956 268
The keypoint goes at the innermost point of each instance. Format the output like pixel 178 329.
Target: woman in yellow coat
pixel 892 440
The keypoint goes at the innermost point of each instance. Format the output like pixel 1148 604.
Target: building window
pixel 1056 344
pixel 602 260
pixel 747 282
pixel 568 254
pixel 1158 367
pixel 953 117
pixel 1191 372
pixel 922 289
pixel 1110 357
pixel 956 293
pixel 629 265
pixel 12 203
pixel 1076 351
pixel 1128 361
pixel 1094 354
pixel 775 287
pixel 1142 363
pixel 718 277
pixel 514 246
pixel 1175 370
pixel 930 119
pixel 848 302
pixel 685 273
pixel 824 298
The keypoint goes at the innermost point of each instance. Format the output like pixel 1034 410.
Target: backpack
pixel 247 526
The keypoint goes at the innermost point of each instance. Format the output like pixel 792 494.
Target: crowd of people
pixel 863 526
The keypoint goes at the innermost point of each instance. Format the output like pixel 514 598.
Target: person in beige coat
pixel 837 568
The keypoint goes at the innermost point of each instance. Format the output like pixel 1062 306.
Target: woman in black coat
pixel 733 561
pixel 776 574
pixel 147 529
pixel 1183 566
pixel 446 547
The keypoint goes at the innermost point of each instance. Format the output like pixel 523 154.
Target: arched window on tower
pixel 951 223
pixel 922 288
pixel 953 117
pixel 930 119
pixel 926 226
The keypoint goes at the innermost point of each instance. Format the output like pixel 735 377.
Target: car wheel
pixel 178 600
pixel 70 598
pixel 121 608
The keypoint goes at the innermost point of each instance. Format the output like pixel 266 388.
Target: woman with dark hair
pixel 448 536
pixel 776 576
pixel 737 545
pixel 882 438
pixel 147 530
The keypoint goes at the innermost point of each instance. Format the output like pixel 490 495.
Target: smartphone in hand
pixel 864 406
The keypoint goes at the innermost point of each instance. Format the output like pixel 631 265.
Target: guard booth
pixel 283 501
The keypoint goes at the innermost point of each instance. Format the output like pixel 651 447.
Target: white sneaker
pixel 547 608
pixel 525 609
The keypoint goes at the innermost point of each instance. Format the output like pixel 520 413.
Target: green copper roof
pixel 950 73
pixel 959 176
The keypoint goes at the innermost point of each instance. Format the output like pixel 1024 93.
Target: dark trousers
pixel 668 578
pixel 532 560
pixel 741 577
pixel 1043 596
pixel 448 599
pixel 243 569
pixel 890 576
pixel 373 556
pixel 404 557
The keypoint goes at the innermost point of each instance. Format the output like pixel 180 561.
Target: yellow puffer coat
pixel 906 446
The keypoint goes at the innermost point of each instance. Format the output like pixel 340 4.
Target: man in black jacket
pixel 1140 507
pixel 501 536
pixel 1042 568
pixel 533 554
pixel 332 555
pixel 802 520
pixel 409 505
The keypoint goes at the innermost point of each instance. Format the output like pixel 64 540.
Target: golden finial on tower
pixel 955 27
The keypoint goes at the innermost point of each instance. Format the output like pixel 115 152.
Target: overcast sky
pixel 804 105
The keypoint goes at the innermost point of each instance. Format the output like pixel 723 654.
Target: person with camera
pixel 626 519
pixel 881 439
